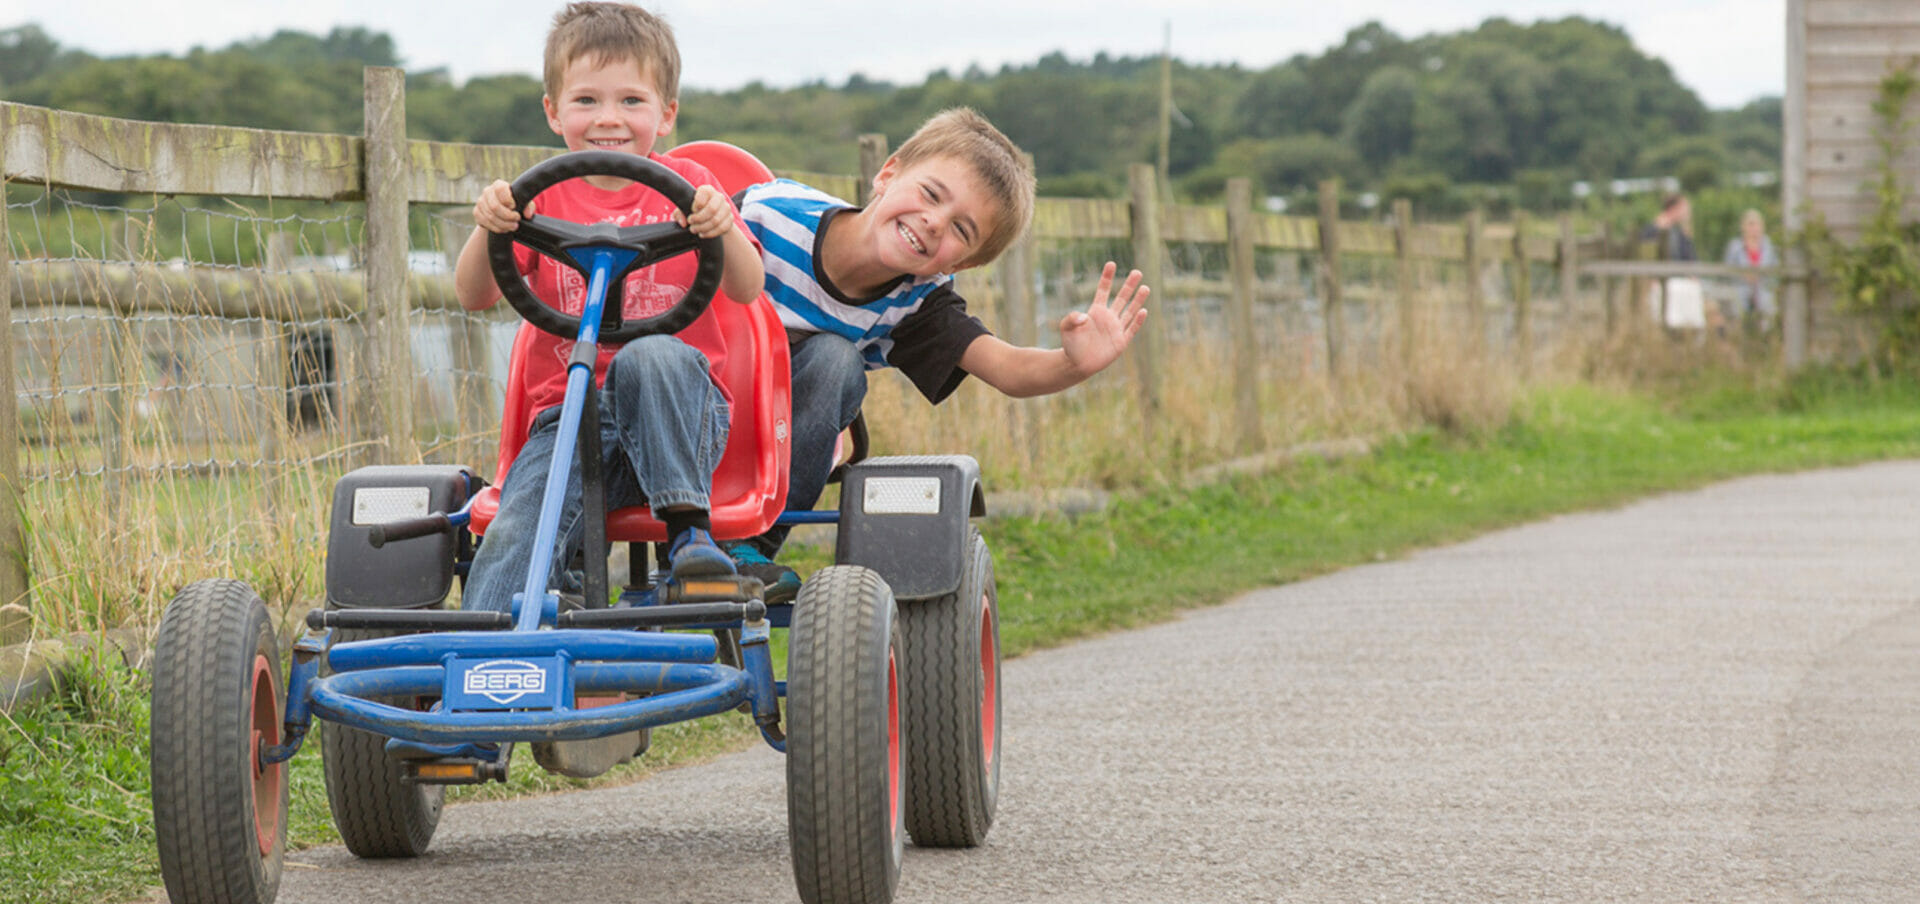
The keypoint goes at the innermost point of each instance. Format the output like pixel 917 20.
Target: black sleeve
pixel 928 343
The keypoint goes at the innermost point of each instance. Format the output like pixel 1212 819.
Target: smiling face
pixel 610 106
pixel 930 217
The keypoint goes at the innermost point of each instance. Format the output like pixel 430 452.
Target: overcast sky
pixel 1727 51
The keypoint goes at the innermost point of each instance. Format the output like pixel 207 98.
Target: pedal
pixel 452 772
pixel 729 588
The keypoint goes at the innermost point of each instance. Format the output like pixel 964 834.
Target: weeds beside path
pixel 74 824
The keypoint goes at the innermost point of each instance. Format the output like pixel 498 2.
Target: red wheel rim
pixel 893 743
pixel 266 779
pixel 989 684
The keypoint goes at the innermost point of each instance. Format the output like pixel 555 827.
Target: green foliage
pixel 1697 160
pixel 1379 123
pixel 1879 272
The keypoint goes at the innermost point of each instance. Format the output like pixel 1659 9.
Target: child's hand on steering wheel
pixel 495 212
pixel 712 214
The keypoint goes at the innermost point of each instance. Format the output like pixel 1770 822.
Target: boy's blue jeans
pixel 663 425
pixel 829 383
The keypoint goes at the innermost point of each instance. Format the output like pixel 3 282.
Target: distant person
pixel 1673 229
pixel 1679 302
pixel 1753 303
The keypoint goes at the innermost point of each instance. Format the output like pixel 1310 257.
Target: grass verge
pixel 74 823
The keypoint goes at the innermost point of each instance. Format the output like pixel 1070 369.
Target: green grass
pixel 1569 449
pixel 74 824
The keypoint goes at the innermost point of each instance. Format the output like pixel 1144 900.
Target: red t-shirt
pixel 648 290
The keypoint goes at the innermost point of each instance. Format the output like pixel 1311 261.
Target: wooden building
pixel 1838 51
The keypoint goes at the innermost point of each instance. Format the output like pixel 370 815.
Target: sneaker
pixel 694 555
pixel 781 584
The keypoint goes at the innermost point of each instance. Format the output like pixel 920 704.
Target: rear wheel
pixel 378 814
pixel 845 807
pixel 952 718
pixel 218 700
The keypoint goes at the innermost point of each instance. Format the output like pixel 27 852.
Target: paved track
pixel 1712 696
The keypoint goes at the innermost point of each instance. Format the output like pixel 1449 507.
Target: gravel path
pixel 1710 696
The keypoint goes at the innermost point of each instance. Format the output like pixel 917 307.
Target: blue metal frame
pixel 677 671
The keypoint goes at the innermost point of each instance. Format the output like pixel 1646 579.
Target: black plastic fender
pixel 906 517
pixel 401 574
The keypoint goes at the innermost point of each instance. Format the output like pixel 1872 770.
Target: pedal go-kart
pixel 892 690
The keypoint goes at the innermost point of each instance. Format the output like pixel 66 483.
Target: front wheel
pixel 953 715
pixel 844 759
pixel 219 816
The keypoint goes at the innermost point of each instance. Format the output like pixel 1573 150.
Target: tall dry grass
pixel 1096 434
pixel 160 452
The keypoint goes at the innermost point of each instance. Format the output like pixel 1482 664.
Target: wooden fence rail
pixel 388 172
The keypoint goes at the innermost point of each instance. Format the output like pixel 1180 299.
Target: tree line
pixel 1503 114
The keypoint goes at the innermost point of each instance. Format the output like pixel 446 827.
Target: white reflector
pixel 902 496
pixel 378 505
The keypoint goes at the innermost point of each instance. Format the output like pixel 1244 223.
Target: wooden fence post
pixel 1147 346
pixel 1569 272
pixel 388 304
pixel 117 377
pixel 1016 279
pixel 1794 308
pixel 873 156
pixel 15 623
pixel 273 355
pixel 1331 311
pixel 1522 293
pixel 1016 286
pixel 1403 277
pixel 467 341
pixel 1476 296
pixel 1610 285
pixel 1246 364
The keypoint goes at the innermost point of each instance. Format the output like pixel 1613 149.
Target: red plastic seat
pixel 750 485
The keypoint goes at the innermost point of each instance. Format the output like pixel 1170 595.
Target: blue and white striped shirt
pixel 918 324
pixel 785 216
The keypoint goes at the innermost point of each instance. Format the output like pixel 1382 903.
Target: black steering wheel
pixel 651 243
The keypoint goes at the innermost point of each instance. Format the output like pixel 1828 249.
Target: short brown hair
pixel 611 33
pixel 965 135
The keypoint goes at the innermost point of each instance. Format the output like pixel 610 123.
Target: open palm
pixel 1096 337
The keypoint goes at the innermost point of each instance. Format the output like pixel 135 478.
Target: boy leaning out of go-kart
pixel 862 288
pixel 612 76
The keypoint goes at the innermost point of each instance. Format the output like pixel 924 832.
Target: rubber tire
pixel 215 647
pixel 951 721
pixel 378 815
pixel 845 678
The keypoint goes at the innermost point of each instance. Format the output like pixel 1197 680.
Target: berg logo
pixel 505 680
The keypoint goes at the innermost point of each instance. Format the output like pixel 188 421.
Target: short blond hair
pixel 611 33
pixel 966 136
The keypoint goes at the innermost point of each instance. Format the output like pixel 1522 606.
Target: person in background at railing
pixel 864 288
pixel 1753 304
pixel 1673 229
pixel 1678 302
